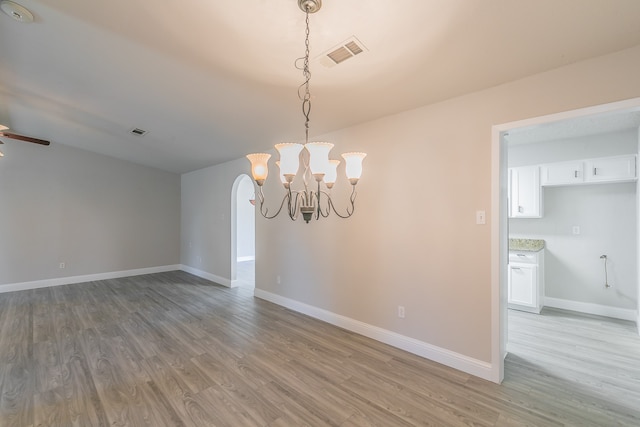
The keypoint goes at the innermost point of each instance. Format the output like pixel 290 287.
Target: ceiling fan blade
pixel 24 138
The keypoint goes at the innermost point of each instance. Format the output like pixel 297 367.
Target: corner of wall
pixel 209 276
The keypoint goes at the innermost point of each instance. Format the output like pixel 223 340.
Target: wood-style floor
pixel 171 349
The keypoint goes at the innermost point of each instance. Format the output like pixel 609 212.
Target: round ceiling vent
pixel 17 12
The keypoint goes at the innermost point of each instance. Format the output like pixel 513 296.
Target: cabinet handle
pixel 523 255
pixel 515 268
pixel 520 209
pixel 595 171
pixel 575 174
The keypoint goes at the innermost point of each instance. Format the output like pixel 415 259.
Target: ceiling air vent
pixel 138 132
pixel 340 53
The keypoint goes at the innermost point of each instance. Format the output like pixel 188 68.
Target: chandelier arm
pixel 350 209
pixel 290 206
pixel 328 211
pixel 317 195
pixel 265 211
pixel 294 207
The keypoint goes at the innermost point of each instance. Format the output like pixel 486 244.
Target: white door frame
pixel 499 222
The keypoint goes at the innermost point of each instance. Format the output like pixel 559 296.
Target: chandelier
pixel 309 161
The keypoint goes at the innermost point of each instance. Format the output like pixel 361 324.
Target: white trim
pixel 209 276
pixel 455 360
pixel 246 258
pixel 499 250
pixel 590 308
pixel 21 286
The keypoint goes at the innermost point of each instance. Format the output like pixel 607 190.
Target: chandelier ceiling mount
pixel 311 6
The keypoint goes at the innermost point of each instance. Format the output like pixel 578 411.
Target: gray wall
pixel 246 218
pixel 605 213
pixel 207 215
pixel 95 213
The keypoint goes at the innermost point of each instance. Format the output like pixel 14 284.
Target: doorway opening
pixel 243 247
pixel 572 123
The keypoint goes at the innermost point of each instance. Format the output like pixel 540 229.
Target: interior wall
pixel 413 240
pixel 206 231
pixel 246 218
pixel 94 213
pixel 605 213
pixel 573 270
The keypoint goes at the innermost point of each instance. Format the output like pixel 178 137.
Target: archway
pixel 243 233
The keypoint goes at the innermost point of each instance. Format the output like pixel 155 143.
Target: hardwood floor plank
pixel 17 394
pixel 387 396
pixel 16 335
pixel 50 409
pixel 42 319
pixel 432 391
pixel 81 396
pixel 172 416
pixel 191 410
pixel 234 385
pixel 47 364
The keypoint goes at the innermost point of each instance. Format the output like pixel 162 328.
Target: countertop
pixel 529 245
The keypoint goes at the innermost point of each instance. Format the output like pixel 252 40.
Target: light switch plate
pixel 481 217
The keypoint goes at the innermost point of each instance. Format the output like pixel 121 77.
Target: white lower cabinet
pixel 525 284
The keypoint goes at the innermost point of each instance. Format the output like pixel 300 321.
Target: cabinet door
pixel 523 289
pixel 563 173
pixel 525 192
pixel 608 169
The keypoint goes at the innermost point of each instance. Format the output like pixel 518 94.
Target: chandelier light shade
pixel 309 162
pixel 259 166
pixel 289 157
pixel 353 166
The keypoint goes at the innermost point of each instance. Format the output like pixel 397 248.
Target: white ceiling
pixel 214 80
pixel 594 124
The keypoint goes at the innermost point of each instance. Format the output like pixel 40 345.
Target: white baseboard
pixel 245 258
pixel 21 286
pixel 452 359
pixel 209 276
pixel 590 308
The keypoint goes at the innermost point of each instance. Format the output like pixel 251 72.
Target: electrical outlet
pixel 62 265
pixel 401 311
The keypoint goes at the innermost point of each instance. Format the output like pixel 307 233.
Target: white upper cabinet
pixel 524 190
pixel 610 169
pixel 589 171
pixel 564 173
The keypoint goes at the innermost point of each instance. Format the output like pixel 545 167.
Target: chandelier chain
pixel 306 99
